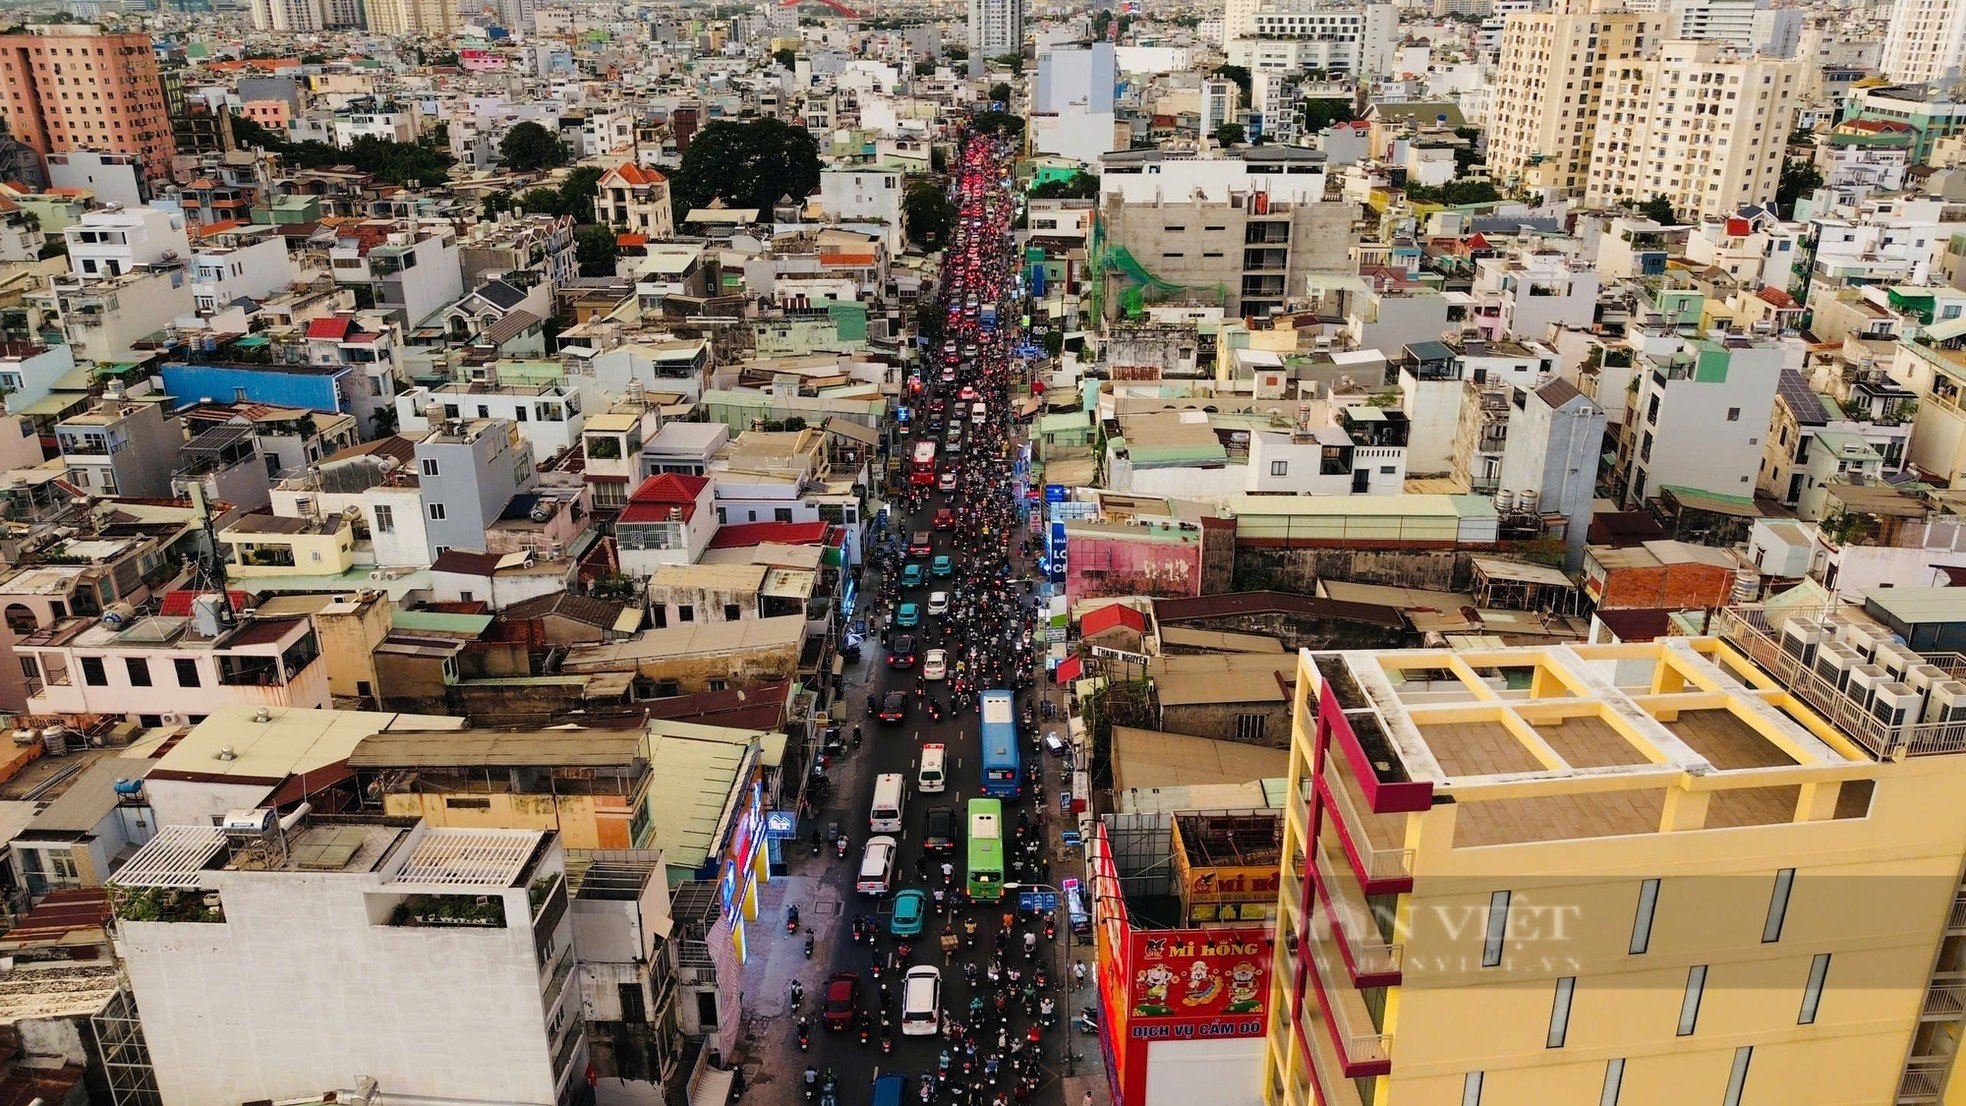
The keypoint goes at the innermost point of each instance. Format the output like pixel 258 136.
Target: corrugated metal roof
pixel 479 749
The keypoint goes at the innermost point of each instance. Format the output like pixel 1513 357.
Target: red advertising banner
pixel 1198 982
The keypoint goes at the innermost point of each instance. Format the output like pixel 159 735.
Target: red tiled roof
pixel 634 174
pixel 264 631
pixel 1637 624
pixel 466 563
pixel 631 239
pixel 1110 616
pixel 746 534
pixel 177 604
pixel 1775 297
pixel 332 326
pixel 846 259
pixel 1738 226
pixel 669 487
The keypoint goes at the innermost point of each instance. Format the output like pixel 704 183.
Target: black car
pixel 901 652
pixel 939 831
pixel 894 706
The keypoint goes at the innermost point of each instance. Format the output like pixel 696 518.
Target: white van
pixel 885 815
pixel 929 777
pixel 876 866
pixel 921 1002
pixel 978 413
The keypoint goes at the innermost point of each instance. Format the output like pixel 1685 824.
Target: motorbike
pixel 842 848
pixel 791 919
pixel 887 1043
pixel 1087 1021
pixel 808 946
pixel 805 1035
pixel 798 995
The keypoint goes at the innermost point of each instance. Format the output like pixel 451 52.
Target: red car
pixel 944 519
pixel 842 1000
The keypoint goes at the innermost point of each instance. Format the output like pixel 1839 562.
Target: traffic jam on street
pixel 945 976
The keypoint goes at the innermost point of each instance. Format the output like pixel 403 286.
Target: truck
pixel 988 317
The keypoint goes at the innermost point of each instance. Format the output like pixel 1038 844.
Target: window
pixel 1498 928
pixel 92 673
pixel 1812 992
pixel 1279 468
pixel 1471 1089
pixel 716 685
pixel 1648 903
pixel 732 612
pixel 685 613
pixel 187 672
pixel 1778 906
pixel 385 519
pixel 429 466
pixel 1614 1080
pixel 437 512
pixel 139 670
pixel 1689 1006
pixel 1737 1080
pixel 1733 414
pixel 1560 1012
pixel 1250 728
pixel 781 514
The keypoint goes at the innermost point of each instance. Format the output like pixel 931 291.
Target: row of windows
pixel 95 673
pixel 1614 1079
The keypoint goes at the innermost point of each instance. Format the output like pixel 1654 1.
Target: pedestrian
pixel 1087 1100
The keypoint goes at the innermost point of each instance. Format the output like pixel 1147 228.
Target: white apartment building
pixel 996 27
pixel 1072 102
pixel 388 126
pixel 548 417
pixel 1754 248
pixel 1926 41
pixel 1522 293
pixel 1883 239
pixel 1284 174
pixel 1701 413
pixel 252 265
pixel 866 196
pixel 1218 105
pixel 115 240
pixel 1699 123
pixel 1552 68
pixel 145 669
pixel 268 914
pixel 1355 39
pixel 398 18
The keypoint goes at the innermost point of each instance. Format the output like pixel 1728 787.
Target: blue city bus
pixel 1003 769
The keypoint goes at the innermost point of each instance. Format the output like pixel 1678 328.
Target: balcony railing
pixel 1924 1080
pixel 1956 917
pixel 1380 863
pixel 1363 1044
pixel 1353 920
pixel 1747 629
pixel 1325 1065
pixel 1945 997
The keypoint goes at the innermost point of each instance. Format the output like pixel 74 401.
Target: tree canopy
pixel 929 214
pixel 749 164
pixel 1014 61
pixel 1317 113
pixel 787 57
pixel 1453 193
pixel 1238 74
pixel 998 123
pixel 1231 134
pixel 1659 210
pixel 1078 186
pixel 394 162
pixel 596 250
pixel 1799 178
pixel 1000 92
pixel 574 196
pixel 529 147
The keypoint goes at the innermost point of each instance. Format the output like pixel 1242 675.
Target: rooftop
pixel 1554 742
pixel 231 744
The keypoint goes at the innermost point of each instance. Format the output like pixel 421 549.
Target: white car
pixel 921 1002
pixel 938 603
pixel 945 482
pixel 935 665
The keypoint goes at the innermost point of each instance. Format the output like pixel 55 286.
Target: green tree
pixel 1659 210
pixel 996 122
pixel 1101 19
pixel 529 147
pixel 924 69
pixel 498 203
pixel 747 164
pixel 596 250
pixel 1316 114
pixel 787 57
pixel 1799 178
pixel 929 214
pixel 1230 134
pixel 1013 61
pixel 1453 193
pixel 956 53
pixel 1238 74
pixel 1078 186
pixel 1000 92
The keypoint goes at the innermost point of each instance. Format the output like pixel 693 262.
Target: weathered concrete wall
pixel 1300 569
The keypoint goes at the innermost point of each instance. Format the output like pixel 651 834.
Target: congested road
pixel 949 617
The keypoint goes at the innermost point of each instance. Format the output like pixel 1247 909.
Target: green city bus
pixel 985 875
